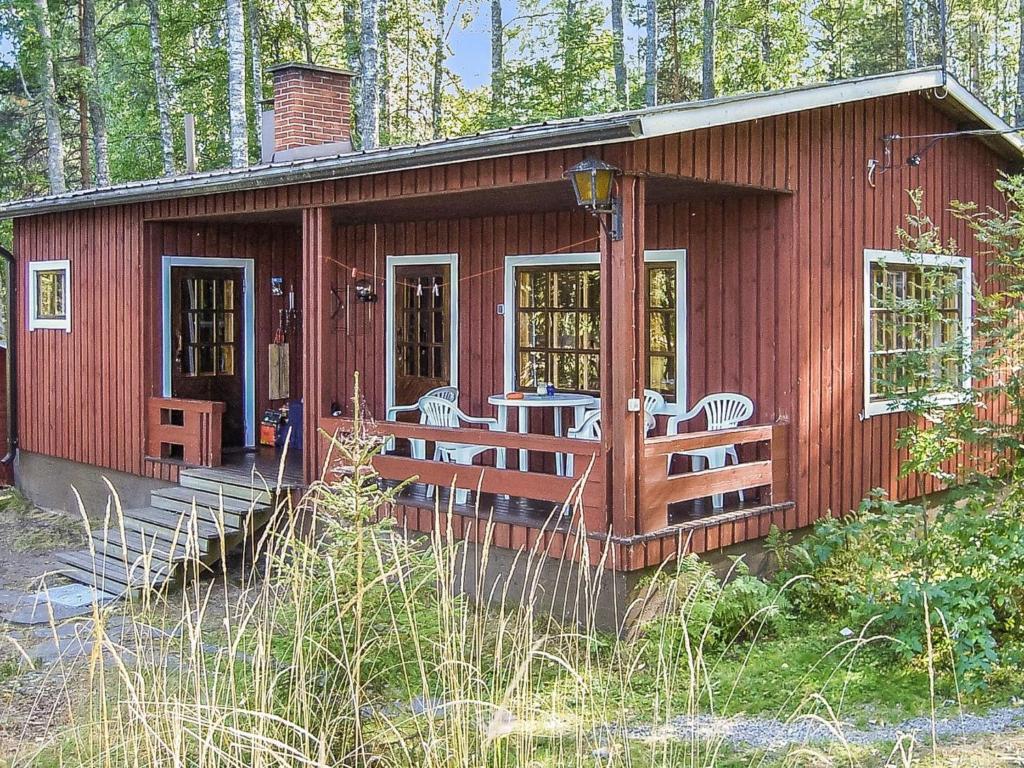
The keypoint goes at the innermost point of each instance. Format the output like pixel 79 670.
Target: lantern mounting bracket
pixel 615 220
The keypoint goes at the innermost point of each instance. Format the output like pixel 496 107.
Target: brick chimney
pixel 312 115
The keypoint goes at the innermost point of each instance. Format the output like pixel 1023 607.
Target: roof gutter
pixel 618 128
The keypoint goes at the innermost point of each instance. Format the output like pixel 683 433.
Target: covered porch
pixel 490 292
pixel 470 321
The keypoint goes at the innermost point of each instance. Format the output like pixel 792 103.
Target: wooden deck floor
pixel 264 464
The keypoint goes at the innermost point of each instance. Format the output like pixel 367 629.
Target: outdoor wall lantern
pixel 365 292
pixel 593 181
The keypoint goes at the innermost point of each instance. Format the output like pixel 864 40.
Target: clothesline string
pixel 355 271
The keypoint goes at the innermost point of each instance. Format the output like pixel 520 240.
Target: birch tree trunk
pixel 256 62
pixel 651 59
pixel 1020 70
pixel 369 113
pixel 97 115
pixel 909 39
pixel 237 123
pixel 163 108
pixel 977 48
pixel 437 82
pixel 498 60
pixel 384 75
pixel 707 81
pixel 54 137
pixel 619 53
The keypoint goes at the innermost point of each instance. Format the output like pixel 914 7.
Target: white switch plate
pixel 633 405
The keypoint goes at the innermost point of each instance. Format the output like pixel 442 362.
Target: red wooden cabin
pixel 147 311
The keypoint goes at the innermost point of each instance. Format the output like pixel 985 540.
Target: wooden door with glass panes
pixel 207 342
pixel 422 338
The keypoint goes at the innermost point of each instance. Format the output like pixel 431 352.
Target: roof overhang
pixel 948 94
pixel 945 91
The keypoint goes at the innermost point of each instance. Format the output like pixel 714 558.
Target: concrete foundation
pixel 574 593
pixel 578 594
pixel 51 482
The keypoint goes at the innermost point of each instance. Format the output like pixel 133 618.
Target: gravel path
pixel 768 733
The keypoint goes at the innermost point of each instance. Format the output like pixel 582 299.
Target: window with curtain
pixel 558 327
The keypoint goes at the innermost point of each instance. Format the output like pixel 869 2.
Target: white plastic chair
pixel 723 410
pixel 590 429
pixel 654 402
pixel 439 412
pixel 417 448
pixel 654 405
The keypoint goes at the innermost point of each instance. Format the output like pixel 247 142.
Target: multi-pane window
pixel 918 314
pixel 209 322
pixel 49 295
pixel 558 327
pixel 661 328
pixel 422 327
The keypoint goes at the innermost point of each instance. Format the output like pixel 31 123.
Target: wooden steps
pixel 132 545
pixel 185 529
pixel 112 575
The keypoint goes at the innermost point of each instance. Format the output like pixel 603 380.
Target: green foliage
pixel 557 63
pixel 778 543
pixel 858 37
pixel 951 572
pixel 358 572
pixel 693 608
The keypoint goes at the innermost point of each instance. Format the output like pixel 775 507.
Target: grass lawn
pixel 811 665
pixel 774 676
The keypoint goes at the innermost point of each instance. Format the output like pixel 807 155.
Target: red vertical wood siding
pixel 775 282
pixel 81 394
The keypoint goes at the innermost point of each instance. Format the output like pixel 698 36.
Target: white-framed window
pixel 917 328
pixel 552 322
pixel 49 295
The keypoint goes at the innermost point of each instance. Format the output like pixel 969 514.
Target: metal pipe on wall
pixel 12 414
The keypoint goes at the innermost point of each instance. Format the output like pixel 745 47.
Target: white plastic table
pixel 579 403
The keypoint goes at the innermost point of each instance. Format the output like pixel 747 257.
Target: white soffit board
pixel 761 106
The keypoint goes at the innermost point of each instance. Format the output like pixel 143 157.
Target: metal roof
pixel 549 135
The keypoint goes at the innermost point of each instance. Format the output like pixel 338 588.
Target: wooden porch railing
pixel 184 430
pixel 539 486
pixel 763 451
pixel 767 471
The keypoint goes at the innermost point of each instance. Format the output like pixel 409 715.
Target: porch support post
pixel 317 249
pixel 623 368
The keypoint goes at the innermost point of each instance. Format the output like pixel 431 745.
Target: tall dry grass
pixel 350 643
